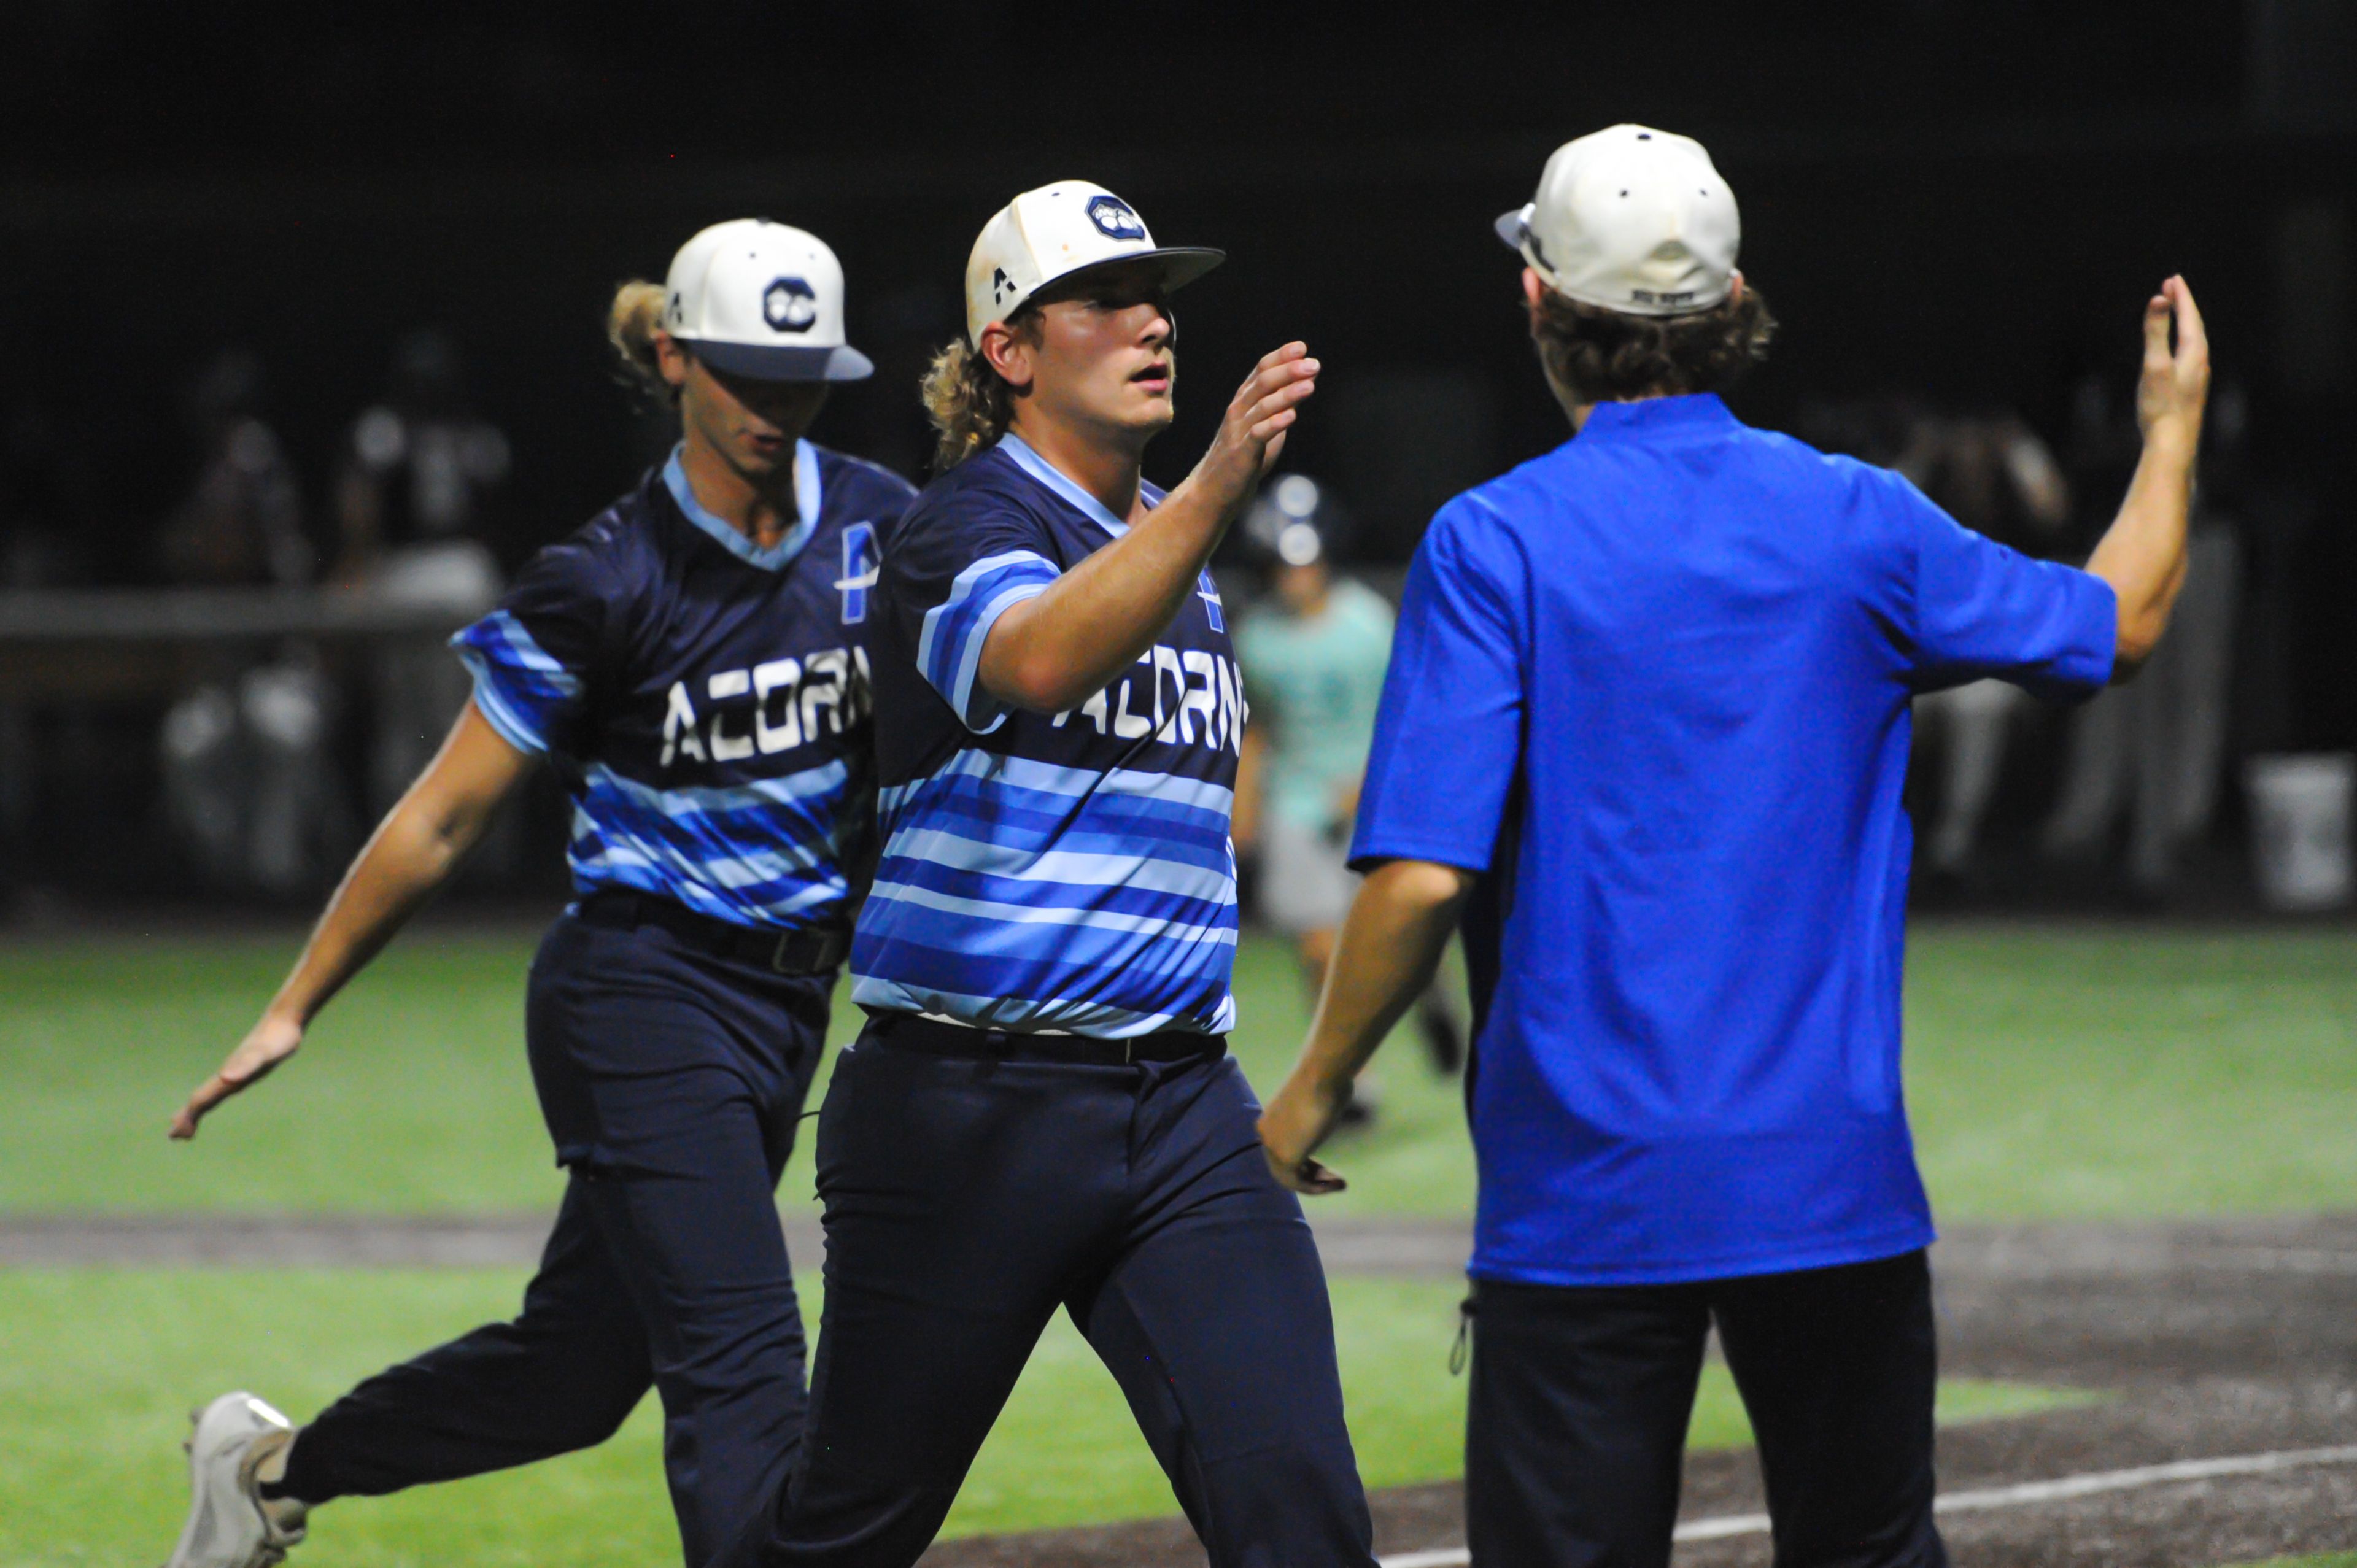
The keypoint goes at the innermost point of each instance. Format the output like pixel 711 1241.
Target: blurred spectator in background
pixel 414 492
pixel 242 524
pixel 246 780
pixel 1990 472
pixel 1313 651
pixel 2154 749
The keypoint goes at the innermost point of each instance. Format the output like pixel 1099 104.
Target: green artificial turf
pixel 99 1366
pixel 2053 1071
pixel 2324 1560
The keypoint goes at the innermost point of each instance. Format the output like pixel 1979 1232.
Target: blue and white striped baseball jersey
pixel 706 702
pixel 1044 872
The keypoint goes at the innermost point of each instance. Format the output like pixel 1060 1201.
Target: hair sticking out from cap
pixel 631 322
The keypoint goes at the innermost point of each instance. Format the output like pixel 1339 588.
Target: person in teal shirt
pixel 1314 652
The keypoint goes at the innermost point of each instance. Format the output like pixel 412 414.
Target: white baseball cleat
pixel 231 1524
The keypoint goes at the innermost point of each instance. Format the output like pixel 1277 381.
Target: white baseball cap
pixel 1631 220
pixel 1057 231
pixel 762 300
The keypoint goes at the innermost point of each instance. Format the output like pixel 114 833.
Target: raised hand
pixel 1252 432
pixel 2175 383
pixel 271 1042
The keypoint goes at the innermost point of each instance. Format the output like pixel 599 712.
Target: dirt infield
pixel 2212 1339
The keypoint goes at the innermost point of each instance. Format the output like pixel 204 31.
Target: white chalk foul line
pixel 1989 1496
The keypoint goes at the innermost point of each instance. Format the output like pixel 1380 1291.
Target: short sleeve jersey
pixel 1655 686
pixel 706 702
pixel 1314 683
pixel 1066 873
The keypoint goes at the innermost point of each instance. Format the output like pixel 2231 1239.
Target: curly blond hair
pixel 969 403
pixel 631 322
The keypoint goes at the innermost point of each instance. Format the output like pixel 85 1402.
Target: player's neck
pixel 760 507
pixel 1108 468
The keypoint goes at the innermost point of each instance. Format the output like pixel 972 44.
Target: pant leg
pixel 960 1198
pixel 1837 1367
pixel 1214 1319
pixel 676 1125
pixel 561 1376
pixel 1578 1418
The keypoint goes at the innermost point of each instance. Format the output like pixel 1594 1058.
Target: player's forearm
pixel 2142 555
pixel 1389 944
pixel 413 852
pixel 1054 651
pixel 408 858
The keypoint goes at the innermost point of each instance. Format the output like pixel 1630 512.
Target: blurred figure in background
pixel 2154 751
pixel 415 493
pixel 1314 651
pixel 242 524
pixel 1990 472
pixel 246 777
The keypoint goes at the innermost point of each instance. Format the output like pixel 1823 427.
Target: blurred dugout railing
pixel 224 741
pixel 137 642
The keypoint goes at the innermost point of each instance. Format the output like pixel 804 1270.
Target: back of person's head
pixel 1633 237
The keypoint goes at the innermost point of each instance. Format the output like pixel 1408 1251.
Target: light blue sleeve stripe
pixel 989 713
pixel 518 686
pixel 512 726
pixel 949 646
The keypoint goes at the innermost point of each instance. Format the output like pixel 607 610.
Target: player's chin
pixel 1149 406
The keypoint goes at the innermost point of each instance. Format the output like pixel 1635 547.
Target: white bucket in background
pixel 2300 828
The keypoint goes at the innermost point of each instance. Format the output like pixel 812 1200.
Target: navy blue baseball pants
pixel 671 1081
pixel 1581 1396
pixel 966 1200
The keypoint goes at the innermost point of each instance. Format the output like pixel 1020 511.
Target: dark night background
pixel 1966 201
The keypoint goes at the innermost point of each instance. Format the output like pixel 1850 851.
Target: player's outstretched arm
pixel 2142 555
pixel 411 853
pixel 1389 944
pixel 1056 650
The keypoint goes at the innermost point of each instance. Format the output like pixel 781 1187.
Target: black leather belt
pixel 910 1031
pixel 809 951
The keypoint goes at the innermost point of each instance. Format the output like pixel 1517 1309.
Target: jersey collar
pixel 807 498
pixel 1024 457
pixel 1653 418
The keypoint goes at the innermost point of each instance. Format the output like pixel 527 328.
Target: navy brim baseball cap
pixel 782 362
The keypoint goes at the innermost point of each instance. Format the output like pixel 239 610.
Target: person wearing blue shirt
pixel 1645 729
pixel 693 666
pixel 1041 1112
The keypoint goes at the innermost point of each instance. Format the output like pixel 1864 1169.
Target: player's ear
pixel 671 359
pixel 1007 352
pixel 1534 292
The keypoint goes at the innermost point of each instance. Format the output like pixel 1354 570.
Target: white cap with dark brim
pixel 764 301
pixel 1059 232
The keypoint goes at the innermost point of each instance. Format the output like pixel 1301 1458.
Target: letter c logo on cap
pixel 790 304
